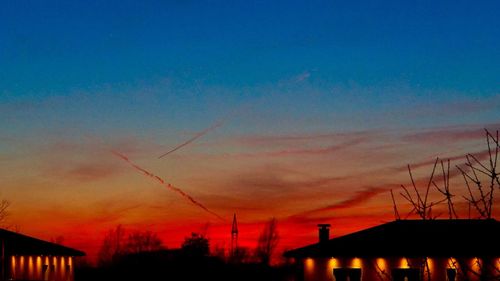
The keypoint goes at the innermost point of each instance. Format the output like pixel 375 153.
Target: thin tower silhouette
pixel 234 236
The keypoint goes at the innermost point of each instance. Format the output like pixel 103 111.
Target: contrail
pixel 197 136
pixel 166 184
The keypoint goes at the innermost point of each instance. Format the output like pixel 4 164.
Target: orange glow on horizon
pixel 255 176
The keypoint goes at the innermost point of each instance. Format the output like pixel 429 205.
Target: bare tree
pixel 117 243
pixel 420 202
pixel 482 178
pixel 268 240
pixel 395 207
pixel 241 255
pixel 196 245
pixel 142 241
pixel 445 189
pixel 112 247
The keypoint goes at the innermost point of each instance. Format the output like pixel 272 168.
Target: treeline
pixel 141 255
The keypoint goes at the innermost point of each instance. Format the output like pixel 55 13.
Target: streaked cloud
pixel 450 134
pixel 359 198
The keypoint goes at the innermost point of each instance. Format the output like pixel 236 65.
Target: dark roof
pixel 448 238
pixel 18 244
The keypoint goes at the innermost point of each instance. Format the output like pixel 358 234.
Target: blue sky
pixel 56 46
pixel 209 57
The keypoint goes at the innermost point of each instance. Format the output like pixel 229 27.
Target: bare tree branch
pixel 486 185
pixel 396 213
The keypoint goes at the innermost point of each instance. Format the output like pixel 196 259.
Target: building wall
pixel 54 268
pixel 321 269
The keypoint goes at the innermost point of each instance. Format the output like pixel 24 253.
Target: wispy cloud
pixel 261 140
pixel 358 198
pixel 74 160
pixel 457 107
pixel 91 171
pixel 473 106
pixel 480 155
pixel 302 77
pixel 282 181
pixel 313 151
pixel 453 134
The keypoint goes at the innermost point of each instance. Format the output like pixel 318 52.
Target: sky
pixel 305 111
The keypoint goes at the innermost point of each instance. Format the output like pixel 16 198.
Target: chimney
pixel 324 233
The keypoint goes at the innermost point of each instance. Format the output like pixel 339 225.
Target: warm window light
pixel 381 264
pixel 38 269
pixel 356 263
pixel 476 265
pixel 452 263
pixel 13 263
pixel 63 265
pixel 430 263
pixel 309 264
pixel 30 267
pixel 404 263
pixel 332 264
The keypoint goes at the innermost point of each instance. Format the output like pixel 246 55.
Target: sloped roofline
pixel 440 237
pixel 20 244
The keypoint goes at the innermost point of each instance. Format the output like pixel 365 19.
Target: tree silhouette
pixel 268 240
pixel 483 179
pixel 112 246
pixel 196 245
pixel 142 241
pixel 117 243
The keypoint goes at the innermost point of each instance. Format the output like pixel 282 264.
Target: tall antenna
pixel 234 236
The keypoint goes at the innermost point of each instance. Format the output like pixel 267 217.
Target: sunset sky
pixel 306 111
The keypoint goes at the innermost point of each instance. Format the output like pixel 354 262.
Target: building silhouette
pixel 28 258
pixel 405 250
